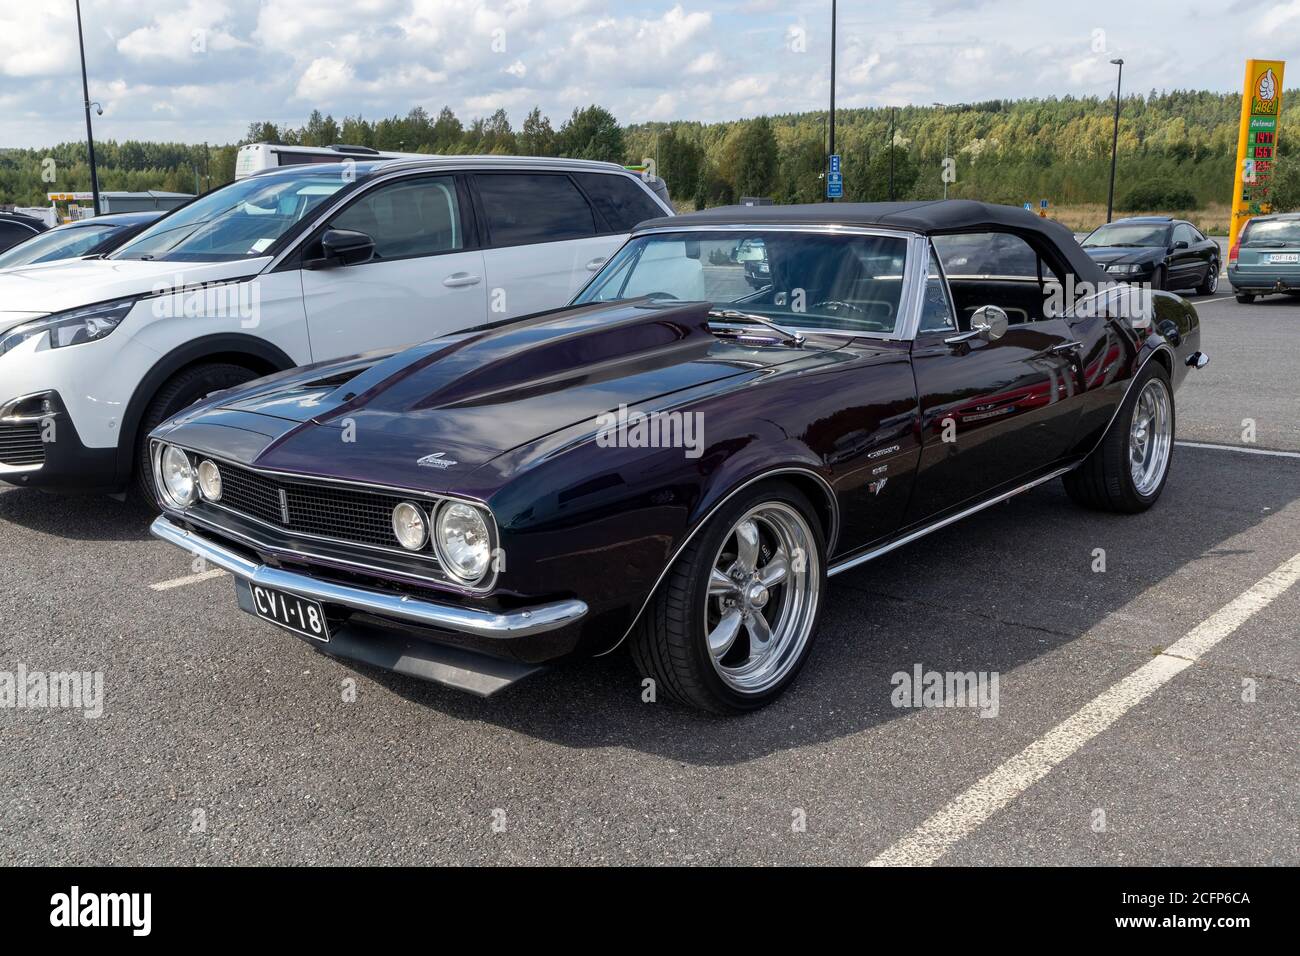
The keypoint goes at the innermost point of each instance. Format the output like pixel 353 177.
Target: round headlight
pixel 411 526
pixel 463 541
pixel 210 481
pixel 178 476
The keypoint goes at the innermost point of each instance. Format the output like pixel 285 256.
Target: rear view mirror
pixel 343 247
pixel 1181 244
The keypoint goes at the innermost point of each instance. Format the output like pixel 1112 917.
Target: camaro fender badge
pixel 881 452
pixel 877 486
pixel 436 460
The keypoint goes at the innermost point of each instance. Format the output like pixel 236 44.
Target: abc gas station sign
pixel 1261 107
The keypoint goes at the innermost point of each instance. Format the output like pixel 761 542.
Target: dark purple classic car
pixel 677 461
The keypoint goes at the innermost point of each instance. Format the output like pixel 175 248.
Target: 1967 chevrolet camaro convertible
pixel 678 460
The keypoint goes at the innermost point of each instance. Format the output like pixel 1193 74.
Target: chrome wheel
pixel 1150 437
pixel 762 597
pixel 1212 280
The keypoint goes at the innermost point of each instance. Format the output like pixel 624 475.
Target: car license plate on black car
pixel 292 612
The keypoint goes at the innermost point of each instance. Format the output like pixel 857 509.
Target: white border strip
pixel 1272 452
pixel 969 811
pixel 188 579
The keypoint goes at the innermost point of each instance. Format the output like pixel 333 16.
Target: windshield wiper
pixel 793 338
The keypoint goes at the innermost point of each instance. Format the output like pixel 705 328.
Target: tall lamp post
pixel 90 136
pixel 947 150
pixel 1114 141
pixel 831 124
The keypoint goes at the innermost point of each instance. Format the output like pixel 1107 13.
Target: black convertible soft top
pixel 931 217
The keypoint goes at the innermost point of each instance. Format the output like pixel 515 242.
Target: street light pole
pixel 1114 141
pixel 832 116
pixel 90 136
pixel 891 154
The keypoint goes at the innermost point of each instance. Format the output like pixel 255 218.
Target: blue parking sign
pixel 835 162
pixel 834 185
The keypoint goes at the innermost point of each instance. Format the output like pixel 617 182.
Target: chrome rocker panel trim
pixel 479 623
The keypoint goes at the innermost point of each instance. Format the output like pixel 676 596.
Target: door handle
pixel 459 280
pixel 1066 347
pixel 596 263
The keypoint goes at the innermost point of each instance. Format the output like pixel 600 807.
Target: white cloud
pixel 181 34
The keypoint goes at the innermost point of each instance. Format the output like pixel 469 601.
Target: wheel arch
pixel 234 348
pixel 801 475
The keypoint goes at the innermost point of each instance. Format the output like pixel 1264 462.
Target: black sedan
pixel 16 228
pixel 1165 253
pixel 678 461
pixel 85 237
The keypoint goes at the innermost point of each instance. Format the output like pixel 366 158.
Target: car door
pixel 992 411
pixel 543 240
pixel 1187 260
pixel 426 277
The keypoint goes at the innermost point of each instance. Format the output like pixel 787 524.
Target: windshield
pixel 62 243
pixel 238 221
pixel 1129 234
pixel 798 279
pixel 1271 232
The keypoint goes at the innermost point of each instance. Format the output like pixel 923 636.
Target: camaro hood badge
pixel 436 460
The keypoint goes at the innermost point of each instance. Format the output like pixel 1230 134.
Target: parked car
pixel 291 266
pixel 16 228
pixel 1167 253
pixel 73 240
pixel 677 462
pixel 1266 257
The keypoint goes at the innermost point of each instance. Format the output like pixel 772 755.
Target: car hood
pixel 420 417
pixel 55 286
pixel 1105 255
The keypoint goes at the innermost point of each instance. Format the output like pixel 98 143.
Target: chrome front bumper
pixel 474 621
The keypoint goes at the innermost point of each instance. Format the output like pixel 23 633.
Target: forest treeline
pixel 1179 144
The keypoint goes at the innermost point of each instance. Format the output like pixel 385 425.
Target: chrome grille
pixel 21 445
pixel 325 511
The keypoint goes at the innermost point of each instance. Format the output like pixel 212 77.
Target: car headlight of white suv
pixel 74 327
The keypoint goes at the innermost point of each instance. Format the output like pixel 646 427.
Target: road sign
pixel 835 162
pixel 1042 204
pixel 834 185
pixel 1028 206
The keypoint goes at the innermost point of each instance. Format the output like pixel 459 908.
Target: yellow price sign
pixel 1261 107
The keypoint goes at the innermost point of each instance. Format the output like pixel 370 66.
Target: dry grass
pixel 1212 220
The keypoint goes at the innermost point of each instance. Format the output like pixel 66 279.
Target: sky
pixel 202 70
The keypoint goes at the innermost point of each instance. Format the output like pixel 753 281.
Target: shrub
pixel 1150 196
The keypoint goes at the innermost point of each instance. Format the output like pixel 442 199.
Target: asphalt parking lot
pixel 1147 713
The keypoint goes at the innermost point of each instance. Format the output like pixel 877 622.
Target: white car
pixel 288 267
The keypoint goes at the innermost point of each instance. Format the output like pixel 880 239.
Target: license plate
pixel 294 613
pixel 1284 257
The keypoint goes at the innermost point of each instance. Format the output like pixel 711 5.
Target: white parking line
pixel 1208 301
pixel 188 579
pixel 969 811
pixel 1241 448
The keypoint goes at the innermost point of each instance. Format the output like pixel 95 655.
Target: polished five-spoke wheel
pixel 1127 471
pixel 762 597
pixel 1151 435
pixel 732 623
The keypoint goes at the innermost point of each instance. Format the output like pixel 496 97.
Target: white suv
pixel 290 266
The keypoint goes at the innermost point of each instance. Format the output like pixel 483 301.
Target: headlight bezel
pixel 164 487
pixel 455 571
pixel 99 320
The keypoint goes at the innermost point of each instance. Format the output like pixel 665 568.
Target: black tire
pixel 180 392
pixel 1104 480
pixel 1211 283
pixel 1245 298
pixel 1158 277
pixel 669 644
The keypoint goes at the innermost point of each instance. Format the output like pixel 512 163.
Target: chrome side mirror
pixel 990 322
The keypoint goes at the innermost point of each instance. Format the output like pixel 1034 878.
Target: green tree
pixel 536 138
pixel 591 133
pixel 755 164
